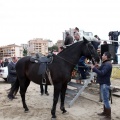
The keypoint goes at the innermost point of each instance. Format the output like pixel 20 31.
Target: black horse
pixel 60 71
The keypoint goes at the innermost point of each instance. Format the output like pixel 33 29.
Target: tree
pixel 54 48
pixel 25 52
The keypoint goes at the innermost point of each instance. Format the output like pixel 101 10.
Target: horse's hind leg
pixel 57 88
pixel 63 91
pixel 23 87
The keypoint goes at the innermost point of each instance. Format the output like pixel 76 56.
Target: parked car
pixel 4 73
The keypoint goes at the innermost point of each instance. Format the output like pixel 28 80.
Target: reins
pixel 70 62
pixel 93 60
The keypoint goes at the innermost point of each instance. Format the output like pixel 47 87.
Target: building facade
pixel 9 51
pixel 25 46
pixel 59 44
pixel 38 45
pixel 50 43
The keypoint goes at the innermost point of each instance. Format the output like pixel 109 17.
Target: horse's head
pixel 89 51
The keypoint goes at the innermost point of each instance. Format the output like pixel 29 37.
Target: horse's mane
pixel 71 46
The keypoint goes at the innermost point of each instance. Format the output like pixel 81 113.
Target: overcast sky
pixel 22 20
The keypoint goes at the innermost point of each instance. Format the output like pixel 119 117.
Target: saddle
pixel 44 61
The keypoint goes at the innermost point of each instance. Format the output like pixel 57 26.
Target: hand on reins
pixel 96 65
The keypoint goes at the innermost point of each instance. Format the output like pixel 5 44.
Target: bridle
pixel 90 51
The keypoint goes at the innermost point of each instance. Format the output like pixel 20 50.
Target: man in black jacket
pixel 103 78
pixel 5 63
pixel 12 76
pixel 68 39
pixel 113 35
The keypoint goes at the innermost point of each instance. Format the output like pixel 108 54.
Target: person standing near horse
pixel 83 69
pixel 103 78
pixel 43 86
pixel 76 39
pixel 76 30
pixel 5 63
pixel 42 89
pixel 96 43
pixel 79 37
pixel 68 39
pixel 12 75
pixel 76 35
pixel 2 63
pixel 113 35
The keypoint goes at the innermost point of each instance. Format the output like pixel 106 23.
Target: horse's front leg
pixel 57 88
pixel 63 91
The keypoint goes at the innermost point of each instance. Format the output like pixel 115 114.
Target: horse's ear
pixel 85 40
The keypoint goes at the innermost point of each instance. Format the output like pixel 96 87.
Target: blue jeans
pixel 105 92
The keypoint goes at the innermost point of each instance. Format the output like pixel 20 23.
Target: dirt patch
pixel 40 106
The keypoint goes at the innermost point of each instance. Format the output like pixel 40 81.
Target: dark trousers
pixel 116 56
pixel 83 73
pixel 42 89
pixel 13 88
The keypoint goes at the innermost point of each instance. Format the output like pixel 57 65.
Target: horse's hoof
pixel 53 118
pixel 65 113
pixel 26 111
pixel 10 97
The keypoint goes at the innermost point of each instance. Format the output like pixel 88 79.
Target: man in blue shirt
pixel 103 78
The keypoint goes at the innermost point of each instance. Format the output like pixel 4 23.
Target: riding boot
pixel 104 112
pixel 108 114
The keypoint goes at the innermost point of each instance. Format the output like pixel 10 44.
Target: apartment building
pixel 25 46
pixel 37 45
pixel 59 44
pixel 9 51
pixel 50 43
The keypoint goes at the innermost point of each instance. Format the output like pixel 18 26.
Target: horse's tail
pixel 14 89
